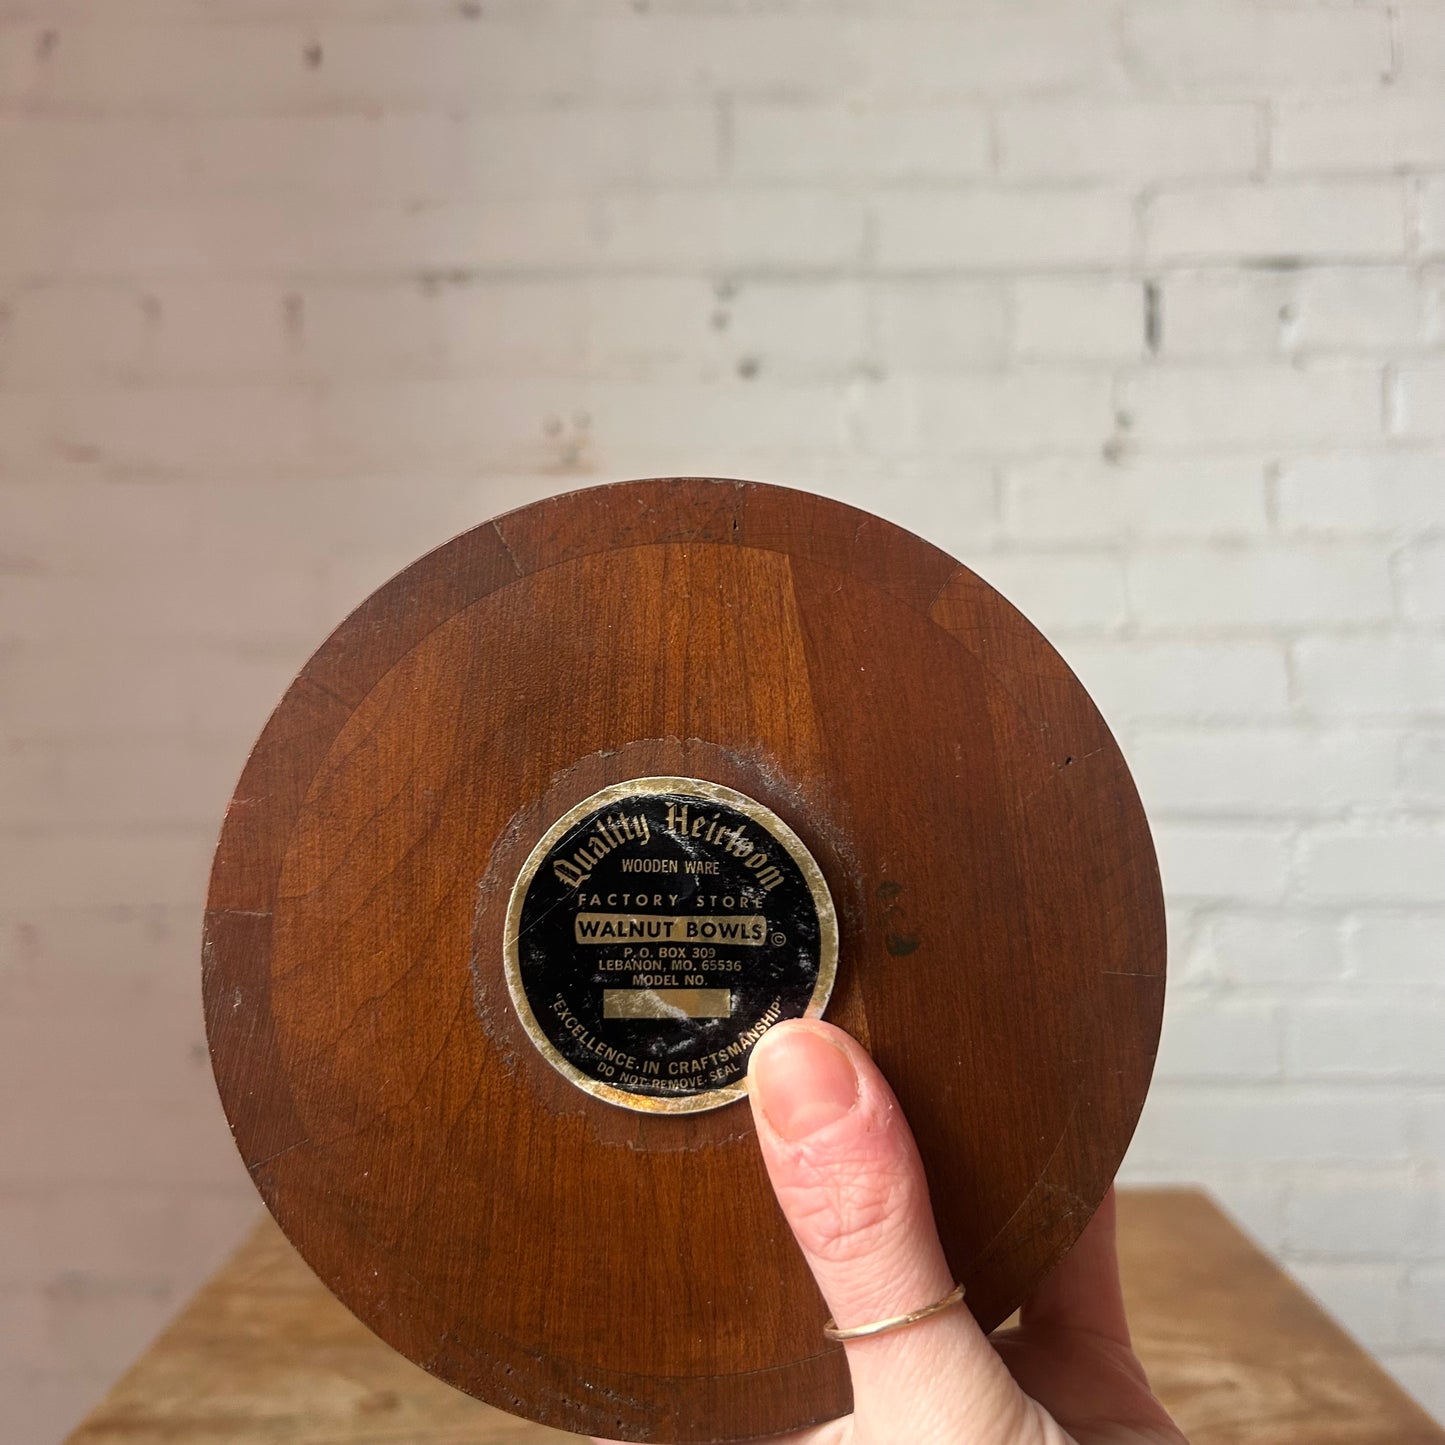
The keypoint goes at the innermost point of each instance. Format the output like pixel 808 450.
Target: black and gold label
pixel 657 931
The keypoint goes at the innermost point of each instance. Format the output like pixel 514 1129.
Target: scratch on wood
pixel 271 1158
pixel 507 547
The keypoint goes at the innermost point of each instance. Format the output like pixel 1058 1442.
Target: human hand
pixel 848 1177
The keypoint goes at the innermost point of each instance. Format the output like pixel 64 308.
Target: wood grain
pixel 1001 931
pixel 264 1355
pixel 1239 1353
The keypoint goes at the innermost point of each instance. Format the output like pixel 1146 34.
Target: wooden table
pixel 1239 1353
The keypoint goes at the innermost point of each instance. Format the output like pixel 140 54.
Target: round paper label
pixel 657 931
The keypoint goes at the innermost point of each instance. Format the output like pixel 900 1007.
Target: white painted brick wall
pixel 778 141
pixel 1078 319
pixel 1374 863
pixel 1220 313
pixel 1104 140
pixel 1344 1039
pixel 1137 307
pixel 1211 406
pixel 1233 1039
pixel 1255 50
pixel 1233 949
pixel 1404 133
pixel 941 323
pixel 1397 950
pixel 1058 499
pixel 1430 193
pixel 993 229
pixel 1383 492
pixel 1421 574
pixel 1261 587
pixel 1270 770
pixel 1286 220
pixel 1420 400
pixel 1384 677
pixel 1138 679
pixel 1345 1215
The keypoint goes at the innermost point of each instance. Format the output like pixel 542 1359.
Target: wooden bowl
pixel 618 1266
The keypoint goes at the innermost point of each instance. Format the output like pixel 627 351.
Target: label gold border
pixel 605 797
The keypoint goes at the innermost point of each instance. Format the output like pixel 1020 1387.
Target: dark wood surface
pixel 264 1355
pixel 1001 941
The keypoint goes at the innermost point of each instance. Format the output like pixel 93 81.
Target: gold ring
pixel 897 1322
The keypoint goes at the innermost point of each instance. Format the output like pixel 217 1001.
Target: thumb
pixel 848 1177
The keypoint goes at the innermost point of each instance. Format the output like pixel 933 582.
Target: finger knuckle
pixel 847 1214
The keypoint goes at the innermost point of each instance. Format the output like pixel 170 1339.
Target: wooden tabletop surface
pixel 1240 1353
